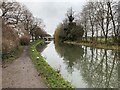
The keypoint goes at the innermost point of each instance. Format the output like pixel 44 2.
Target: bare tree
pixel 91 17
pixel 84 21
pixel 115 14
pixel 70 15
pixel 11 12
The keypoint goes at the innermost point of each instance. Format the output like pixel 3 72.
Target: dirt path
pixel 21 74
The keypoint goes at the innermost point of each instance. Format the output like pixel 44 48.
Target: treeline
pixel 19 26
pixel 101 21
pixel 69 30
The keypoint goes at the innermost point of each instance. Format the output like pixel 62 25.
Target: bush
pixel 24 40
pixel 70 32
pixel 10 39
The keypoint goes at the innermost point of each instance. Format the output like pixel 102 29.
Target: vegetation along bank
pixel 51 76
pixel 102 46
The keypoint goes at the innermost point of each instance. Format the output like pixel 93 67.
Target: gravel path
pixel 21 74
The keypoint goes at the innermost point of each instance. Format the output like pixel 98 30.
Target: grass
pixel 103 46
pixel 51 76
pixel 7 58
pixel 98 38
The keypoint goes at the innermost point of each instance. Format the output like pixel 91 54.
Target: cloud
pixel 52 1
pixel 52 11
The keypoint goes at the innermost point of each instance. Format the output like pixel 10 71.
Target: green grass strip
pixel 51 76
pixel 102 46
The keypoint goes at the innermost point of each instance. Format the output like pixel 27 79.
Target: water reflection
pixel 119 69
pixel 84 67
pixel 70 54
pixel 41 47
pixel 98 67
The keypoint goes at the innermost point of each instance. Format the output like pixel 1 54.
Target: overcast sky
pixel 52 11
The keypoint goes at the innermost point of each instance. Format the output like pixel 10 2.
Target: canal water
pixel 84 67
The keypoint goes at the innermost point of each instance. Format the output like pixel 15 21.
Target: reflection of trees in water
pixel 118 69
pixel 41 47
pixel 98 67
pixel 70 54
pixel 101 69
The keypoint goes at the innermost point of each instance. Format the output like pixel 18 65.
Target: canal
pixel 84 67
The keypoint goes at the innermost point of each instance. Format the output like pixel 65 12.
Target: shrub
pixel 24 40
pixel 10 39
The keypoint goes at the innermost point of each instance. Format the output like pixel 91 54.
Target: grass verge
pixel 7 58
pixel 51 77
pixel 102 46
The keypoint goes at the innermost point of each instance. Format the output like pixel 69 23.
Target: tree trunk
pixel 106 39
pixel 86 35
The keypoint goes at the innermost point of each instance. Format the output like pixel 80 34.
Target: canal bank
pixel 52 77
pixel 101 46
